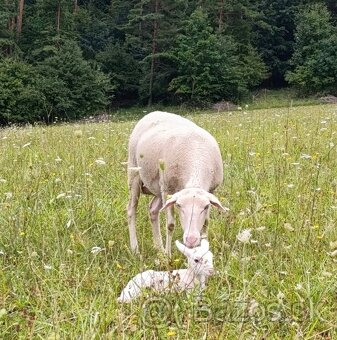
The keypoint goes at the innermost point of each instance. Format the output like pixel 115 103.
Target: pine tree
pixel 72 88
pixel 314 59
pixel 208 68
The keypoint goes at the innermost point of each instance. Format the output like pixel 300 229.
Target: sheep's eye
pixel 207 206
pixel 196 260
pixel 178 205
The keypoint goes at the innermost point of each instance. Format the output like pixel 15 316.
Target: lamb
pixel 170 155
pixel 200 266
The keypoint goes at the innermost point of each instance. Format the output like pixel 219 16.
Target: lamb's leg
pixel 134 192
pixel 170 224
pixel 154 207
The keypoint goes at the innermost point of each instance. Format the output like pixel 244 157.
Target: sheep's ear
pixel 204 244
pixel 183 249
pixel 216 203
pixel 170 201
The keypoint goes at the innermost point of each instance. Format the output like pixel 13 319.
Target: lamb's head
pixel 193 205
pixel 200 259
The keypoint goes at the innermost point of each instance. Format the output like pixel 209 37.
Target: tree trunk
pixel 154 50
pixel 58 18
pixel 76 7
pixel 221 15
pixel 20 16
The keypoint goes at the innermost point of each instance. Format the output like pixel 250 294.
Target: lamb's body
pixel 191 169
pixel 200 266
pixel 159 281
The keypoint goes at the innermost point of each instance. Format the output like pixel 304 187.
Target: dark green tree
pixel 314 59
pixel 72 87
pixel 20 99
pixel 209 65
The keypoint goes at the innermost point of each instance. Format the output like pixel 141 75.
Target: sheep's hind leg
pixel 154 207
pixel 134 192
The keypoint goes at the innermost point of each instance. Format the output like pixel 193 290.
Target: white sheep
pixel 170 155
pixel 200 266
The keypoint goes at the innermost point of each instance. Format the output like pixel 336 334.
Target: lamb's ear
pixel 172 200
pixel 216 203
pixel 183 249
pixel 204 244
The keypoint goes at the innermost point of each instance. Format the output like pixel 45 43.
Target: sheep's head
pixel 193 206
pixel 200 259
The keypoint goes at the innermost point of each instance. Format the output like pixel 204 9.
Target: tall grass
pixel 64 252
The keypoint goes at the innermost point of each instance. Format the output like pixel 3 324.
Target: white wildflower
pixel 57 180
pixel 333 253
pixel 47 267
pixel 61 195
pixel 2 180
pixel 91 138
pixel 252 308
pixel 280 296
pixel 267 245
pixel 305 156
pixel 326 274
pixel 2 253
pixel 244 236
pixel 252 153
pixel 8 195
pixel 333 245
pixel 253 241
pixel 331 144
pixel 299 286
pixel 290 185
pixel 261 228
pixel 100 161
pixel 288 226
pixel 276 316
pixel 27 144
pixel 69 252
pixel 95 250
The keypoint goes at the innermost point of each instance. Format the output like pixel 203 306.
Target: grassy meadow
pixel 64 244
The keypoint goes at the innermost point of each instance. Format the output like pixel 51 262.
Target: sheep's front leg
pixel 134 192
pixel 154 207
pixel 170 224
pixel 204 229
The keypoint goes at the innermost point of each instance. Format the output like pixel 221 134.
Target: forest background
pixel 67 59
